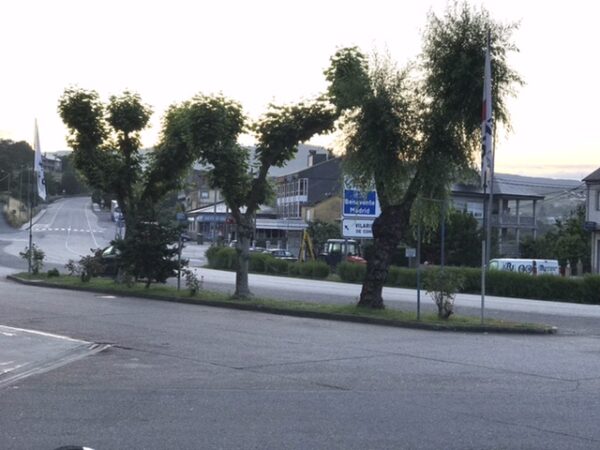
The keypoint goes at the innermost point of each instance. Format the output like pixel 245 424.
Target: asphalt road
pixel 189 377
pixel 115 373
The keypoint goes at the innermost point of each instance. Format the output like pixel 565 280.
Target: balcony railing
pixel 506 220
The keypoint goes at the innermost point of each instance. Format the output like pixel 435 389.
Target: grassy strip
pixel 352 313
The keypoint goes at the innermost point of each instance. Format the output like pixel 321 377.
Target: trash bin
pixel 200 238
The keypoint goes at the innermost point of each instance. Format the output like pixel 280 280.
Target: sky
pixel 260 51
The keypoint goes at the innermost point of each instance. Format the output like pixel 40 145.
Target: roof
pixel 593 177
pixel 222 208
pixel 299 162
pixel 502 187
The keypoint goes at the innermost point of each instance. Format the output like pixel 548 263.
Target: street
pixel 113 372
pixel 188 377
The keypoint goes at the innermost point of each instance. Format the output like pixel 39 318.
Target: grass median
pixel 348 313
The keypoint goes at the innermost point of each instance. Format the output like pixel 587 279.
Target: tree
pixel 106 141
pixel 16 159
pixel 567 241
pixel 147 252
pixel 207 128
pixel 462 241
pixel 410 138
pixel 71 182
pixel 106 150
pixel 320 231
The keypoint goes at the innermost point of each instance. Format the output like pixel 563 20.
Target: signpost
pixel 359 211
pixel 357 228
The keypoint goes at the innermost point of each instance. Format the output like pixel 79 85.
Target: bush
pixel 309 269
pixel 222 258
pixel 443 285
pixel 590 289
pixel 53 273
pixel 277 266
pixel 37 258
pixel 351 272
pixel 402 277
pixel 320 269
pixel 192 282
pixel 211 254
pixel 89 266
pixel 258 262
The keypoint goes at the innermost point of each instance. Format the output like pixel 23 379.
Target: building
pixel 592 216
pixel 514 212
pixel 209 218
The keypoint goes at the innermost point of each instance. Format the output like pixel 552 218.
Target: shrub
pixel 443 285
pixel 72 267
pixel 590 289
pixel 320 269
pixel 90 266
pixel 258 262
pixel 351 272
pixel 277 266
pixel 222 258
pixel 37 258
pixel 211 254
pixel 403 277
pixel 309 269
pixel 192 282
pixel 52 273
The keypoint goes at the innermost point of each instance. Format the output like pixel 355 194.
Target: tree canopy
pixel 410 132
pixel 206 128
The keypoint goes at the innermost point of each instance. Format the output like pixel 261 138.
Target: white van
pixel 544 266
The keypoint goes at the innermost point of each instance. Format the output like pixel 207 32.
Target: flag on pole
pixel 39 165
pixel 487 124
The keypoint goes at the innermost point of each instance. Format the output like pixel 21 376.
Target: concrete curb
pixel 543 330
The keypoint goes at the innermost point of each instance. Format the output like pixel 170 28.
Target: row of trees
pixel 16 163
pixel 409 132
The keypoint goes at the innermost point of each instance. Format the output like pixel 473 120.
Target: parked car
pixel 281 254
pixel 110 260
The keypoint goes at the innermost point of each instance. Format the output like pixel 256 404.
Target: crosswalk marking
pixel 72 230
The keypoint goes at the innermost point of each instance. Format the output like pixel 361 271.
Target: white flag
pixel 39 165
pixel 487 123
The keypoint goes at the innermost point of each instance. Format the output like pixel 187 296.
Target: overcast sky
pixel 259 52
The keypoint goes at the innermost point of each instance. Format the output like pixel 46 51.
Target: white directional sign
pixel 357 228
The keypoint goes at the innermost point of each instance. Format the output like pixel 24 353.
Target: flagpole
pixel 38 170
pixel 30 201
pixel 487 167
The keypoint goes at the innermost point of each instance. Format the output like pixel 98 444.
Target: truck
pixel 542 266
pixel 338 250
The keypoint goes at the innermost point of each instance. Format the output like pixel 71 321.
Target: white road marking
pixel 42 333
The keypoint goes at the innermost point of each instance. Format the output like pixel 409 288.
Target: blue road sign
pixel 360 204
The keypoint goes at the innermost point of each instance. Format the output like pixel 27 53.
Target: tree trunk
pixel 388 229
pixel 244 231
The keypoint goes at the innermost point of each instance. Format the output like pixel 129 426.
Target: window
pixel 598 200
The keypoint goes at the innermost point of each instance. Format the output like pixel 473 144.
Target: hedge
pixel 584 289
pixel 225 258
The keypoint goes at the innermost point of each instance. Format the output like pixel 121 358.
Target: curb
pixel 543 330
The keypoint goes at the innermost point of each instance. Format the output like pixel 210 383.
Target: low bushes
pixel 498 283
pixel 225 258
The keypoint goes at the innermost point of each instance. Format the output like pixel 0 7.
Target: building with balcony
pixel 592 216
pixel 514 212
